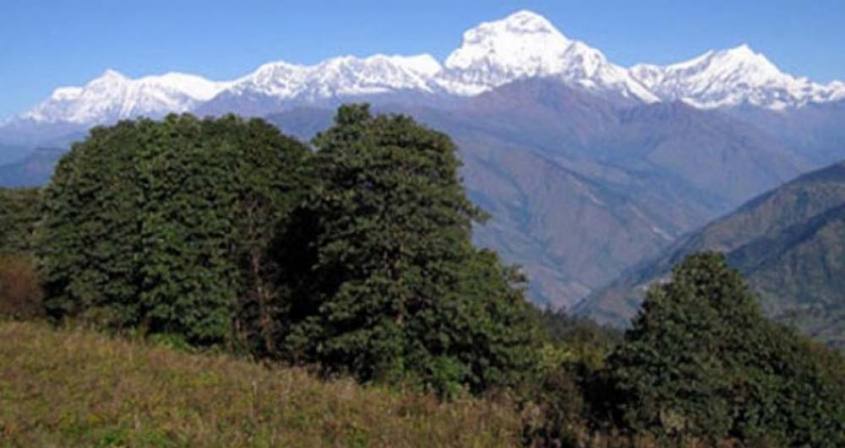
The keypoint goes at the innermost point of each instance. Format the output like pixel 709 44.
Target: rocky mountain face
pixel 788 242
pixel 586 166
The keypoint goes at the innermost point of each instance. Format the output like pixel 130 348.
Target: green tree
pixel 89 240
pixel 393 286
pixel 153 224
pixel 19 211
pixel 702 361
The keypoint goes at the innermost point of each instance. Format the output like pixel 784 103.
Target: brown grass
pixel 74 387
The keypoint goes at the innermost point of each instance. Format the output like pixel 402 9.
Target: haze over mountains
pixel 587 167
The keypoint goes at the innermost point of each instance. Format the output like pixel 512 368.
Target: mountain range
pixel 789 243
pixel 587 167
pixel 522 45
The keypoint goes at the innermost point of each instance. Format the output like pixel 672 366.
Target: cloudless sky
pixel 45 44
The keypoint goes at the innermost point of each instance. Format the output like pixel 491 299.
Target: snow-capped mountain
pixel 279 85
pixel 342 76
pixel 522 45
pixel 526 45
pixel 113 96
pixel 731 78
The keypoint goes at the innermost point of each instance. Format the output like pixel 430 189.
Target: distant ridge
pixel 788 242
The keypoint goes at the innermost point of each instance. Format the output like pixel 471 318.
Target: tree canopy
pixel 19 209
pixel 152 224
pixel 701 360
pixel 357 257
pixel 395 286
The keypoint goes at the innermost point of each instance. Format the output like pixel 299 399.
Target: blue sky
pixel 45 44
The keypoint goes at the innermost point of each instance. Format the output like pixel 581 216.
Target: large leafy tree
pixel 18 215
pixel 89 239
pixel 386 283
pixel 702 361
pixel 163 225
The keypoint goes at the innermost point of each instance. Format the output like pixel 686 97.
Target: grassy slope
pixel 79 388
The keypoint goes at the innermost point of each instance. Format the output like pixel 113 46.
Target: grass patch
pixel 74 387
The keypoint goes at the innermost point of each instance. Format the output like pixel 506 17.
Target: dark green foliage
pixel 571 382
pixel 384 282
pixel 159 224
pixel 18 215
pixel 702 361
pixel 89 240
pixel 184 228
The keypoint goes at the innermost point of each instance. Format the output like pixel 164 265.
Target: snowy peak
pixel 730 78
pixel 111 76
pixel 523 22
pixel 739 63
pixel 521 45
pixel 523 41
pixel 113 96
pixel 278 79
pixel 349 75
pixel 341 76
pixel 525 45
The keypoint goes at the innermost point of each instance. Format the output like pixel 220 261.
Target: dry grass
pixel 75 387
